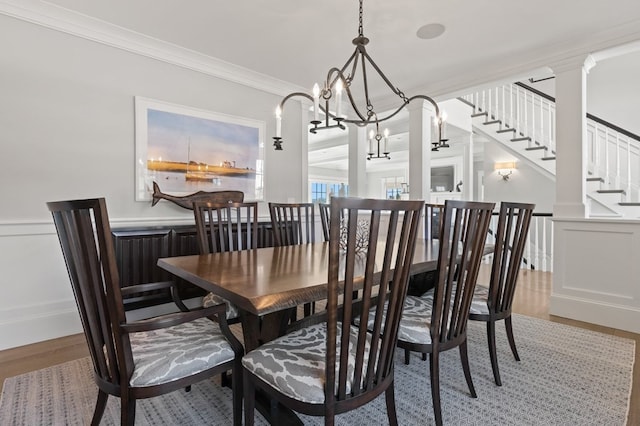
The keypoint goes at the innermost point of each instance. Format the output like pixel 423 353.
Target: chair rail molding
pixel 79 25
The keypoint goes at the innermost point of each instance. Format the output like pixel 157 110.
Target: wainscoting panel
pixel 596 270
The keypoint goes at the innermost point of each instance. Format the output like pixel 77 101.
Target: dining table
pixel 267 284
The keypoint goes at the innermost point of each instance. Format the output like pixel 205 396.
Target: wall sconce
pixel 505 169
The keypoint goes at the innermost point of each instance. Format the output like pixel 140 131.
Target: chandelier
pixel 328 100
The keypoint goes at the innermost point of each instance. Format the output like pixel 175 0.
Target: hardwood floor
pixel 532 299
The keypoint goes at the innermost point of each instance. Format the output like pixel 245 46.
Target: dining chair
pixel 292 224
pixel 494 303
pixel 136 359
pixel 333 366
pixel 223 227
pixel 437 321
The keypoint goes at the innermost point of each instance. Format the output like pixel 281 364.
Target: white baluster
pixel 533 119
pixel 550 222
pixel 544 245
pixel 617 161
pixel 518 100
pixel 526 115
pixel 503 113
pixel 628 196
pixel 536 244
pixel 551 133
pixel 511 122
pixel 542 123
pixel 607 179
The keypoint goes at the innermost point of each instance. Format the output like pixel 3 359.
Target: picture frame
pixel 186 150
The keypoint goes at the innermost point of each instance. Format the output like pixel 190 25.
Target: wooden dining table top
pixel 265 280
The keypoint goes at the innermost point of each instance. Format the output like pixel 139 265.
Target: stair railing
pixel 613 154
pixel 538 251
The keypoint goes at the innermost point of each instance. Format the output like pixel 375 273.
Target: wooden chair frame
pixel 510 240
pixel 462 237
pixel 344 277
pixel 85 238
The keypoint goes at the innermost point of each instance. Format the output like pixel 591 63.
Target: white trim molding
pixel 79 25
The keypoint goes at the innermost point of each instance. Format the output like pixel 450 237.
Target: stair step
pixel 486 123
pixel 533 148
pixel 629 204
pixel 548 158
pixel 595 179
pixel 611 191
pixel 524 138
pixel 479 114
pixel 506 130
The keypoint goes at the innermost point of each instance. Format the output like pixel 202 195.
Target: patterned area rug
pixel 567 376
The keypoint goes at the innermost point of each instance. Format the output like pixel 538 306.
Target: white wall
pixel 526 184
pixel 67 129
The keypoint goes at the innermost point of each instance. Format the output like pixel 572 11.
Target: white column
pixel 467 175
pixel 571 136
pixel 421 115
pixel 304 154
pixel 357 161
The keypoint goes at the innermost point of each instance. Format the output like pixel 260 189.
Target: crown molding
pixel 83 26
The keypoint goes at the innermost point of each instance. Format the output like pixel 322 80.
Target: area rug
pixel 567 376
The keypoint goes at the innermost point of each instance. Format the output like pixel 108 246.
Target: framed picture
pixel 185 150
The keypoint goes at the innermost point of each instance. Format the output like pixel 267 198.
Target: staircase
pixel 522 119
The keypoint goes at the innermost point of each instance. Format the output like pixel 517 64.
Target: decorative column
pixel 467 174
pixel 304 154
pixel 571 136
pixel 357 161
pixel 421 115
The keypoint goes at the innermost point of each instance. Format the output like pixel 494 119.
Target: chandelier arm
pixel 353 58
pixel 394 89
pixel 291 95
pixel 365 84
pixel 435 105
pixel 340 74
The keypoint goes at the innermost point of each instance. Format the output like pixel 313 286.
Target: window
pixel 393 187
pixel 321 192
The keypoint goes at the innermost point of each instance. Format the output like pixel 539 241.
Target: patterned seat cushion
pixel 479 303
pixel 161 356
pixel 415 321
pixel 213 299
pixel 294 364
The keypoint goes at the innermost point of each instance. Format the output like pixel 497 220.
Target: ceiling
pixel 298 41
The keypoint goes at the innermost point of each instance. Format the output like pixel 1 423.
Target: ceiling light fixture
pixel 340 80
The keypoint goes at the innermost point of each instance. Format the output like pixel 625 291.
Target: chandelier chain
pixel 360 29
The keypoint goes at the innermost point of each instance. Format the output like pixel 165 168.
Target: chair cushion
pixel 161 356
pixel 294 364
pixel 479 303
pixel 416 319
pixel 213 299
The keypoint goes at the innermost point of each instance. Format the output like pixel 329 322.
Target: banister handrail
pixel 589 116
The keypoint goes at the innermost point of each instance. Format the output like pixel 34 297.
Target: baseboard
pixel 625 318
pixel 37 328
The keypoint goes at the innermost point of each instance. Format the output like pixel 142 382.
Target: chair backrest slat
pixel 293 223
pixel 222 227
pixel 380 271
